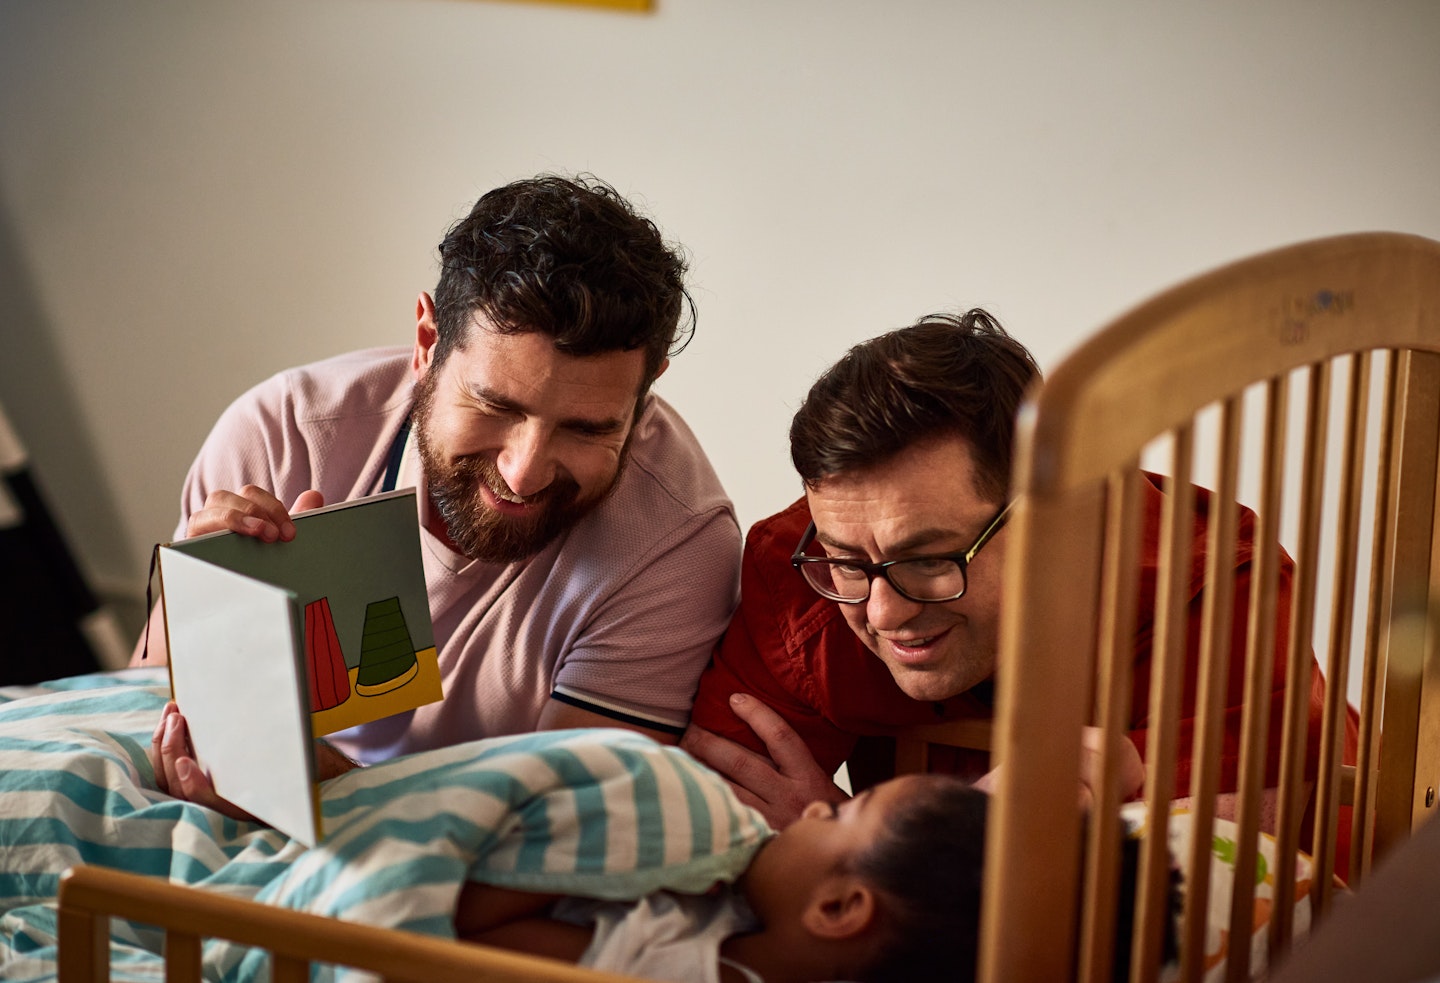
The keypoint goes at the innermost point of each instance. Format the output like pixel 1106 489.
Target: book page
pixel 356 570
pixel 235 677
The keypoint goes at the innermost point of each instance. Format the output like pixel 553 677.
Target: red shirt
pixel 792 648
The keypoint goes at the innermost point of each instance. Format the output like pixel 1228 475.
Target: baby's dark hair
pixel 928 864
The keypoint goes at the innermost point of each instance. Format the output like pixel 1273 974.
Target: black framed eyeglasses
pixel 931 579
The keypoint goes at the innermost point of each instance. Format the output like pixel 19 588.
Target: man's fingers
pixel 331 762
pixel 178 774
pixel 737 763
pixel 308 500
pixel 177 757
pixel 252 511
pixel 157 759
pixel 174 745
pixel 781 794
pixel 1129 767
pixel 750 799
pixel 194 785
pixel 785 746
pixel 700 743
pixel 1132 770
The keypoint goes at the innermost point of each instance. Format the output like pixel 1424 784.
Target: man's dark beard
pixel 476 529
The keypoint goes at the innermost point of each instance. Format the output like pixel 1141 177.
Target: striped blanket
pixel 598 813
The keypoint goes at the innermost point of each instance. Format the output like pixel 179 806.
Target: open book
pixel 274 644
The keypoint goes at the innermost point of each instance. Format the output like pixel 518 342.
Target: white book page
pixel 235 669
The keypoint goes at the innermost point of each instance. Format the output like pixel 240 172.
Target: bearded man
pixel 566 512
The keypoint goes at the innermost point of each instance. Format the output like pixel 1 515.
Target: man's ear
pixel 664 364
pixel 426 335
pixel 842 907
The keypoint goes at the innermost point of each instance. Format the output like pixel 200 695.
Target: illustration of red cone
pixel 329 679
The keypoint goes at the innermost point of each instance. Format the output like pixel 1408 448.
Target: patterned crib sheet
pixel 1224 851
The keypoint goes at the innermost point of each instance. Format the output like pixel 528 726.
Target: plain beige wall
pixel 195 195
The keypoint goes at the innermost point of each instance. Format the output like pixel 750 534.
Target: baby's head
pixel 887 885
pixel 926 865
pixel 888 881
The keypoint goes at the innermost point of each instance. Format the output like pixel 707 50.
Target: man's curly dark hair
pixel 569 258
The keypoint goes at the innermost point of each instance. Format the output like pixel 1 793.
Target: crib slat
pixel 1259 663
pixel 1342 618
pixel 1367 758
pixel 1215 637
pixel 1299 668
pixel 290 970
pixel 1400 747
pixel 182 957
pixel 85 948
pixel 1167 679
pixel 1118 599
pixel 1036 740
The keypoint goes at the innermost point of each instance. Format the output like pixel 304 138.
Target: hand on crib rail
pixel 1129 767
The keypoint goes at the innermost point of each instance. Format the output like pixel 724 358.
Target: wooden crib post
pixel 85 954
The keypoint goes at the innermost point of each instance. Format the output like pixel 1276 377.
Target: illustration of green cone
pixel 387 654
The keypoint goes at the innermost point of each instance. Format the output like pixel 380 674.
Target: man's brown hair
pixel 569 258
pixel 945 375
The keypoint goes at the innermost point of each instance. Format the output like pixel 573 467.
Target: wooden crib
pixel 1344 335
pixel 1325 356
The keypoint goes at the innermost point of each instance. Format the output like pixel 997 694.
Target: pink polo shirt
pixel 618 616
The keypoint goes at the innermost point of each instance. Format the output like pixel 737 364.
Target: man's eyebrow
pixel 909 545
pixel 603 425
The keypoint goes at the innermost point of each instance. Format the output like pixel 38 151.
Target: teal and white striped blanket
pixel 598 813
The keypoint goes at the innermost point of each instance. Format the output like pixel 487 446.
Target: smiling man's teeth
pixel 507 495
pixel 915 643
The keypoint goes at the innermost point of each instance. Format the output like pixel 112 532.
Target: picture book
pixel 275 644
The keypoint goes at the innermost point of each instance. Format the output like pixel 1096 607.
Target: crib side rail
pixel 90 896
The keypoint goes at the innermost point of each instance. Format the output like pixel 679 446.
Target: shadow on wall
pixel 41 637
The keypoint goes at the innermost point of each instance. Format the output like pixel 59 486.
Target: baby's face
pixel 788 868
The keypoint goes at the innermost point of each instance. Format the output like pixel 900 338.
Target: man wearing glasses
pixel 873 603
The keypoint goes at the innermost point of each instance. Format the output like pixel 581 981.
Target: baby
pixel 882 887
pixel 885 886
